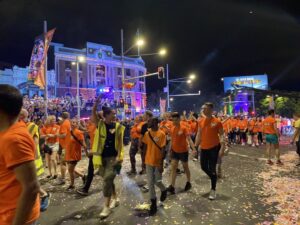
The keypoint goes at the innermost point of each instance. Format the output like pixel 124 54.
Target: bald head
pixel 23 116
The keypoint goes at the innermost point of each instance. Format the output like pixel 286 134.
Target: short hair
pixel 175 115
pixel 106 111
pixel 149 113
pixel 209 104
pixel 155 120
pixel 271 111
pixel 65 115
pixel 11 100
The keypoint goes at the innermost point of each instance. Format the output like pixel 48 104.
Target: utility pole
pixel 123 72
pixel 168 91
pixel 45 70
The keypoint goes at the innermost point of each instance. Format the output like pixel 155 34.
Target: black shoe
pixel 163 195
pixel 82 192
pixel 298 164
pixel 70 188
pixel 83 179
pixel 188 186
pixel 153 207
pixel 54 177
pixel 142 172
pixel 131 173
pixel 178 171
pixel 171 189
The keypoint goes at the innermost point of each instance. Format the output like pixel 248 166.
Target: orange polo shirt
pixel 64 129
pixel 17 147
pixel 210 128
pixel 73 150
pixel 268 125
pixel 178 137
pixel 51 129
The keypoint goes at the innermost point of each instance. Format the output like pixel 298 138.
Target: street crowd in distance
pixel 34 145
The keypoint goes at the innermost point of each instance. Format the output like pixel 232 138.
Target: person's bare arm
pixel 198 137
pixel 36 141
pixel 95 118
pixel 26 175
pixel 222 141
pixel 190 141
pixel 296 134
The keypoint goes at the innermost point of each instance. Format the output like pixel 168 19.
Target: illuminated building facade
pixel 102 70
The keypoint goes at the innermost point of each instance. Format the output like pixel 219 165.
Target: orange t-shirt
pixel 91 127
pixel 251 125
pixel 73 150
pixel 51 129
pixel 134 134
pixel 165 126
pixel 64 129
pixel 259 126
pixel 268 125
pixel 210 132
pixel 153 153
pixel 17 147
pixel 178 137
pixel 186 124
pixel 226 126
pixel 233 123
pixel 242 124
pixel 194 126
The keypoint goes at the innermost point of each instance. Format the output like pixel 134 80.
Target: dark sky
pixel 213 38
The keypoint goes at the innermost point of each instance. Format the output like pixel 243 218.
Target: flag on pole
pixel 36 72
pixel 162 105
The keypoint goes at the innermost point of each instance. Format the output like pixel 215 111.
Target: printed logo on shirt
pixel 112 131
pixel 156 139
pixel 213 125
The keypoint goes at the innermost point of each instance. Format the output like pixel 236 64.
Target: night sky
pixel 213 38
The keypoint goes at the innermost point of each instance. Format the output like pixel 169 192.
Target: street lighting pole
pixel 168 93
pixel 123 72
pixel 77 89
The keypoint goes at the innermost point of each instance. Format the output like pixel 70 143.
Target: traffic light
pixel 121 102
pixel 161 72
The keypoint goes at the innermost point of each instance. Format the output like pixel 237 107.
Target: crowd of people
pixel 26 134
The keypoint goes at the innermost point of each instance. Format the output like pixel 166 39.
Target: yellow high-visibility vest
pixel 34 131
pixel 99 141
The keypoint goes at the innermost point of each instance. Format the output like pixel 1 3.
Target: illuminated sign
pixel 256 81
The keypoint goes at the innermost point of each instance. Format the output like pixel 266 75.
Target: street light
pixel 140 42
pixel 189 81
pixel 162 52
pixel 79 59
pixel 192 76
pixel 171 99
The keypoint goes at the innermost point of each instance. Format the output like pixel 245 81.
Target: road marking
pixel 246 156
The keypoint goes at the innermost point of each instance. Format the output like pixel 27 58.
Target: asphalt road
pixel 240 196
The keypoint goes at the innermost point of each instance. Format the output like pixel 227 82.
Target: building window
pixel 68 65
pixel 127 72
pixel 68 79
pixel 81 82
pixel 80 66
pixel 119 71
pixel 141 87
pixel 100 71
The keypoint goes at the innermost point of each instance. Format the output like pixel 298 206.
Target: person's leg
pixel 204 163
pixel 174 164
pixel 132 153
pixel 71 168
pixel 90 175
pixel 63 165
pixel 268 149
pixel 54 162
pixel 277 152
pixel 78 173
pixel 187 171
pixel 213 159
pixel 150 170
pixel 48 158
pixel 143 155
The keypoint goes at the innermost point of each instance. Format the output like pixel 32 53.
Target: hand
pixel 195 153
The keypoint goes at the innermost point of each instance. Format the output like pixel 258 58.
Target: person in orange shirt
pixel 19 187
pixel 74 143
pixel 89 178
pixel 242 127
pixel 253 129
pixel 155 141
pixel 180 137
pixel 64 132
pixel 210 137
pixel 233 130
pixel 135 134
pixel 166 126
pixel 50 133
pixel 259 132
pixel 272 136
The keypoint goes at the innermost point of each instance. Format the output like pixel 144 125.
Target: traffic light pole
pixel 146 75
pixel 123 72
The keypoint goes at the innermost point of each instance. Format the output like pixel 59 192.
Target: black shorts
pixel 183 157
pixel 73 162
pixel 298 147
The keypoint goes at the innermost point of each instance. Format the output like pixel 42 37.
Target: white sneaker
pixel 114 203
pixel 105 212
pixel 212 195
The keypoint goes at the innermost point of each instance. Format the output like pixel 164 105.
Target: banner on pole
pixel 36 72
pixel 162 105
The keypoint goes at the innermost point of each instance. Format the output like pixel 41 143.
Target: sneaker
pixel 60 182
pixel 82 192
pixel 212 195
pixel 54 177
pixel 83 179
pixel 298 164
pixel 153 207
pixel 105 212
pixel 49 176
pixel 45 201
pixel 142 172
pixel 279 163
pixel 253 145
pixel 131 173
pixel 188 186
pixel 70 188
pixel 243 144
pixel 269 162
pixel 145 189
pixel 195 159
pixel 178 171
pixel 163 195
pixel 171 189
pixel 114 203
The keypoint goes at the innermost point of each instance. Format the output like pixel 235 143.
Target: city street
pixel 251 193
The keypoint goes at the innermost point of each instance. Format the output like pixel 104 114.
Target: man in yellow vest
pixel 33 129
pixel 108 152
